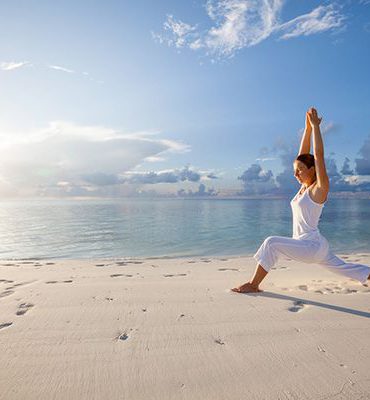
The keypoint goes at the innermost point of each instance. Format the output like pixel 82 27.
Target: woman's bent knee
pixel 271 240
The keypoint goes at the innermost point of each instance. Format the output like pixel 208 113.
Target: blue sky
pixel 125 97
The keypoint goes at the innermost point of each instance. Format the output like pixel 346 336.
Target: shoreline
pixel 195 257
pixel 169 329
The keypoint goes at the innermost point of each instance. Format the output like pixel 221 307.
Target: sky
pixel 180 98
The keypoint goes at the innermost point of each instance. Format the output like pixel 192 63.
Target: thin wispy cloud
pixel 12 65
pixel 63 69
pixel 83 74
pixel 321 19
pixel 181 32
pixel 238 24
pixel 329 127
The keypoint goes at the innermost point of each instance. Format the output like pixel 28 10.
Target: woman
pixel 307 244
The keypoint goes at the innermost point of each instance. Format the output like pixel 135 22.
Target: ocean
pixel 106 228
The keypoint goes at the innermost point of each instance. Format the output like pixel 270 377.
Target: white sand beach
pixel 171 329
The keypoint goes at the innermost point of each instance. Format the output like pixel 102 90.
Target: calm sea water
pixel 158 228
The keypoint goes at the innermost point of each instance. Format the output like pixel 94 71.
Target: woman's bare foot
pixel 247 288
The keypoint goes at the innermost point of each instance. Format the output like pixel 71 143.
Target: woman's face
pixel 303 174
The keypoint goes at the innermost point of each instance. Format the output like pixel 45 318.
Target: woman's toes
pixel 246 288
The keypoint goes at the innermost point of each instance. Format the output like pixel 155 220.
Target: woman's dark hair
pixel 307 159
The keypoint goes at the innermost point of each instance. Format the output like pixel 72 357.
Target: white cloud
pixel 154 159
pixel 240 23
pixel 180 30
pixel 237 24
pixel 356 180
pixel 320 19
pixel 10 66
pixel 67 152
pixel 84 74
pixel 63 69
pixel 187 173
pixel 266 159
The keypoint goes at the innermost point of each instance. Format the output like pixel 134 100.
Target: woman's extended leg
pixel 335 264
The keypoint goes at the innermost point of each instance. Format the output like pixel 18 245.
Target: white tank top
pixel 306 216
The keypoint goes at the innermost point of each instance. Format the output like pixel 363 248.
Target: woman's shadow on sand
pixel 300 303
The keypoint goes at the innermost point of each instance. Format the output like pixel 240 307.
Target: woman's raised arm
pixel 318 152
pixel 306 138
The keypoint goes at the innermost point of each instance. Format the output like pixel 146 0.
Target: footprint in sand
pixel 298 306
pixel 23 308
pixel 49 263
pixel 25 283
pixel 15 285
pixel 228 269
pixel 116 275
pixel 6 281
pixel 121 263
pixel 6 293
pixel 348 291
pixel 99 265
pixel 321 349
pixel 219 341
pixel 171 275
pixel 329 288
pixel 68 281
pixel 121 336
pixel 5 324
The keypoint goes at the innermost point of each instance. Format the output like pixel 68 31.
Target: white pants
pixel 309 251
